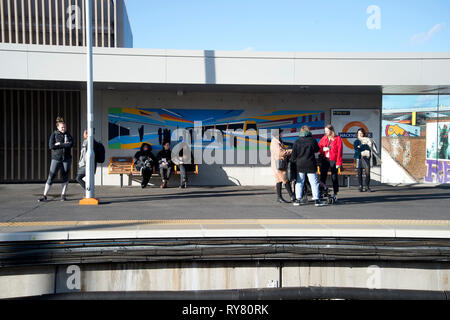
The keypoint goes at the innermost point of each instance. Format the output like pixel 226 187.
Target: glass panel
pixel 415 139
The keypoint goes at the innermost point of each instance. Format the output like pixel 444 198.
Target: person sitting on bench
pixel 144 161
pixel 165 163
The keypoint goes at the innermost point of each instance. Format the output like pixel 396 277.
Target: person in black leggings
pixel 363 152
pixel 60 144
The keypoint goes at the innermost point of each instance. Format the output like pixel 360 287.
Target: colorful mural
pixel 396 129
pixel 128 128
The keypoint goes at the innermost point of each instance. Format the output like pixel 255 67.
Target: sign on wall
pixel 346 122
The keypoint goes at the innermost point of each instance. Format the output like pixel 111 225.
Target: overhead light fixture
pixel 180 93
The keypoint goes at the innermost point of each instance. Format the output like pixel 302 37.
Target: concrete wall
pixel 123 65
pixel 393 172
pixel 166 276
pixel 215 174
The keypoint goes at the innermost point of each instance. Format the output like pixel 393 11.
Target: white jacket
pixel 368 141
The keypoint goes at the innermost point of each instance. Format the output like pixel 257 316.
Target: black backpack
pixel 99 151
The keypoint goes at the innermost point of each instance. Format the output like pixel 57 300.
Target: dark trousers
pixel 81 173
pixel 326 165
pixel 165 173
pixel 55 166
pixel 360 176
pixel 146 174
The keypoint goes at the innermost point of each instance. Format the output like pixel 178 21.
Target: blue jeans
pixel 313 180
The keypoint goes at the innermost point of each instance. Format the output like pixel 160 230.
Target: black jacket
pixel 62 151
pixel 303 154
pixel 167 154
pixel 142 156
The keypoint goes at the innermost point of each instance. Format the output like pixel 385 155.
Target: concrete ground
pixel 19 203
pixel 132 212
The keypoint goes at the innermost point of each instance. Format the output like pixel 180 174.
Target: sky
pixel 287 25
pixel 415 102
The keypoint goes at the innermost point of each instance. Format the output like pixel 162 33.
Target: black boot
pixel 368 181
pixel 279 196
pixel 289 190
pixel 361 188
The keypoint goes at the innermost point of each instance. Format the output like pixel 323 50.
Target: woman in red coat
pixel 330 156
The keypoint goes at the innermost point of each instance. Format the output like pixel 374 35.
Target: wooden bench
pixel 190 168
pixel 121 165
pixel 346 170
pixel 125 165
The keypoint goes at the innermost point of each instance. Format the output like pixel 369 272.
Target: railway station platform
pixel 216 239
pixel 132 212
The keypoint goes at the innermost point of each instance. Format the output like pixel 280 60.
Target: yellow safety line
pixel 231 222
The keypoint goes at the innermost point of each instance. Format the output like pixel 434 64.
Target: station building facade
pixel 145 95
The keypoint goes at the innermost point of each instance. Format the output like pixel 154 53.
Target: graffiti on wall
pixel 438 171
pixel 395 129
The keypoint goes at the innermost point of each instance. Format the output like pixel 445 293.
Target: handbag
pixel 374 161
pixel 281 164
pixel 291 171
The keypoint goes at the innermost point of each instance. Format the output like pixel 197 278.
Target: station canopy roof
pixel 53 67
